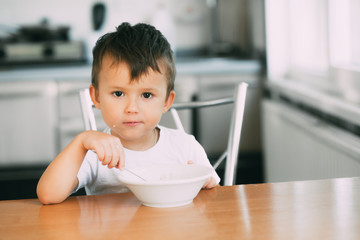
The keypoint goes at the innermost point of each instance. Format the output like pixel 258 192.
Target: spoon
pixel 135 174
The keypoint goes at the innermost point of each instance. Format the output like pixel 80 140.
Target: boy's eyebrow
pixel 145 89
pixel 149 89
pixel 116 87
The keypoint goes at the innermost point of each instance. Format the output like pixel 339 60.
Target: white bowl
pixel 167 185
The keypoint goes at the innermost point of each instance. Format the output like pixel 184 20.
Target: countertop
pixel 193 66
pixel 324 101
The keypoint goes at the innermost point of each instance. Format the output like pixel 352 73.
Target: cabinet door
pixel 70 116
pixel 28 114
pixel 298 146
pixel 214 122
pixel 186 87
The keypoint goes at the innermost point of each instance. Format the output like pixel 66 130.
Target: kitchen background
pixel 302 112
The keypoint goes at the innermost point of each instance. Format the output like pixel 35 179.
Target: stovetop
pixel 41 52
pixel 40 44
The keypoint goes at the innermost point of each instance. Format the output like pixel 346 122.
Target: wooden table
pixel 323 209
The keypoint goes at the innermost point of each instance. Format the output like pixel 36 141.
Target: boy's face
pixel 132 109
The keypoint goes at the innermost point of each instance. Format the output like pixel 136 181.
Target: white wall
pixel 190 16
pixel 241 22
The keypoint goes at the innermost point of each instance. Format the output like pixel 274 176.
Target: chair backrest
pixel 232 151
pixel 87 109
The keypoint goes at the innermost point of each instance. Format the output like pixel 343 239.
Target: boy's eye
pixel 118 94
pixel 147 95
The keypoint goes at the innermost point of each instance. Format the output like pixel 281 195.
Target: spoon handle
pixel 135 174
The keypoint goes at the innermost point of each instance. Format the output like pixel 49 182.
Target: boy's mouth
pixel 131 124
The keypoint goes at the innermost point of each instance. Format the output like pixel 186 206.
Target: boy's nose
pixel 131 106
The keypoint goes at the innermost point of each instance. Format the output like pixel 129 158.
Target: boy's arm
pixel 60 177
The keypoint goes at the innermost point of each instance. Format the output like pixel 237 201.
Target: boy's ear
pixel 94 96
pixel 169 101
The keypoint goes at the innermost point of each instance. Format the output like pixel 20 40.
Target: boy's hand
pixel 210 183
pixel 107 147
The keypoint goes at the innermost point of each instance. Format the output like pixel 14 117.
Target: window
pixel 308 36
pixel 315 41
pixel 344 35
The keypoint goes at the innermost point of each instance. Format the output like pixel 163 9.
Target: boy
pixel 133 77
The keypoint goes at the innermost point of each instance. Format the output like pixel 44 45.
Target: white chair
pixel 230 154
pixel 87 107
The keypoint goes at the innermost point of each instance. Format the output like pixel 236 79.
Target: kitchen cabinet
pixel 28 122
pixel 299 146
pixel 70 118
pixel 185 87
pixel 70 115
pixel 211 126
pixel 38 119
pixel 214 123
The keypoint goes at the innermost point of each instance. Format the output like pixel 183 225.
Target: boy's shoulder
pixel 174 133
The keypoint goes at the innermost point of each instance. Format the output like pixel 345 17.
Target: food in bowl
pixel 167 185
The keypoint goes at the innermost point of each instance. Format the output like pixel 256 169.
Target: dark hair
pixel 141 46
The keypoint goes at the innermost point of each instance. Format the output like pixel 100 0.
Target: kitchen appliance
pixel 98 20
pixel 98 16
pixel 39 44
